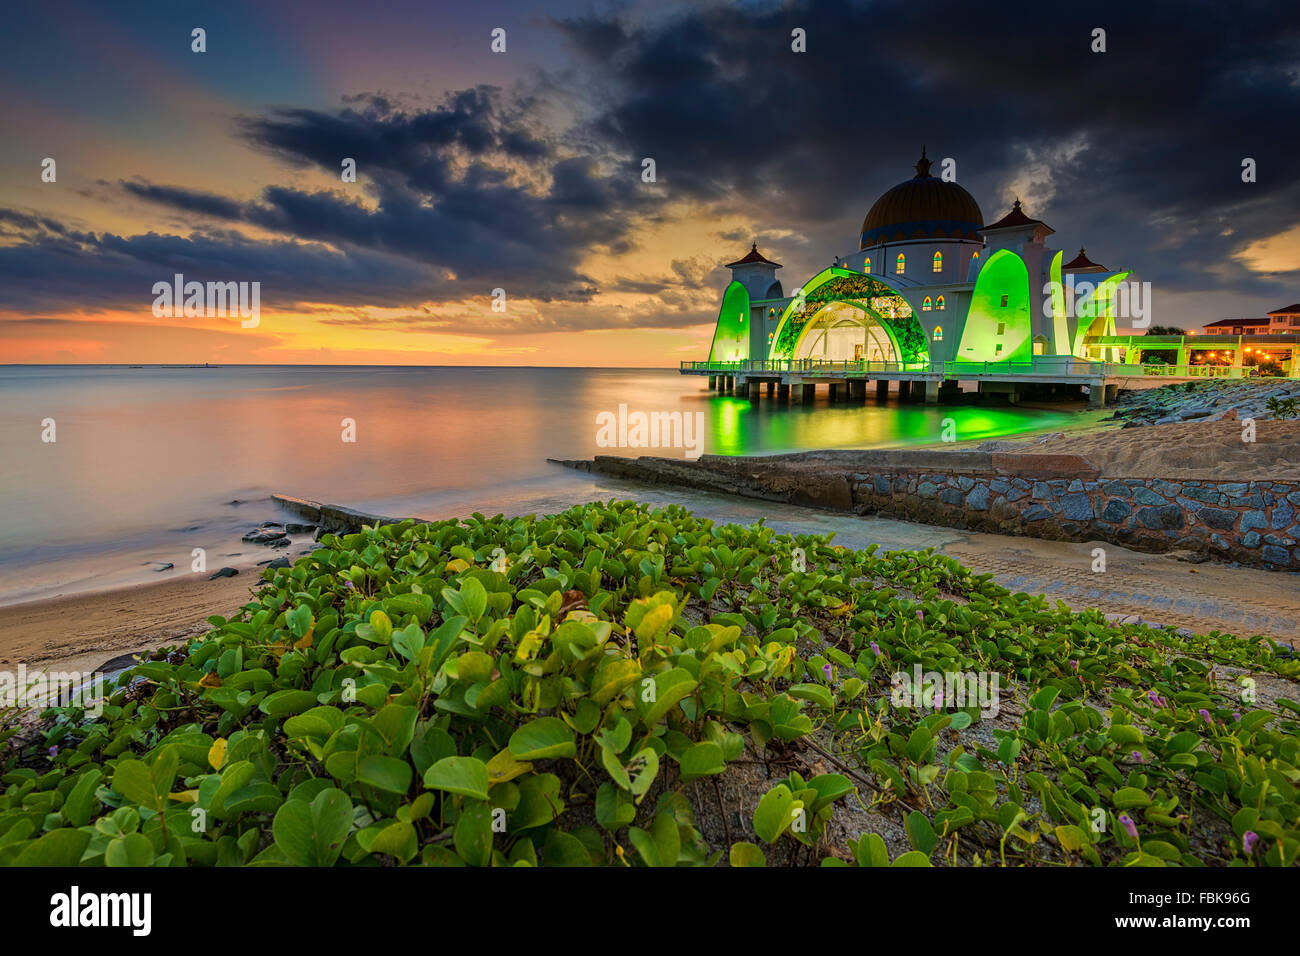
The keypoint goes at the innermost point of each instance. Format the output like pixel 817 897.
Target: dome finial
pixel 922 166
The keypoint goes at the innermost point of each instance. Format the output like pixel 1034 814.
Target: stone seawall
pixel 1058 497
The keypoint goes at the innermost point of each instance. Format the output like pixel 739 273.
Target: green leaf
pixel 473 834
pixel 398 840
pixel 746 854
pixel 385 773
pixel 914 858
pixel 284 702
pixel 669 688
pixel 702 760
pixel 541 738
pixel 920 833
pixel 312 834
pixel 775 812
pixel 467 776
pixel 57 848
pixel 134 849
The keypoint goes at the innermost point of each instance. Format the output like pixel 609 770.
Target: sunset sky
pixel 522 170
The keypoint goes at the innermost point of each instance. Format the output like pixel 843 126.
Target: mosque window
pixel 900 263
pixel 866 265
pixel 938 333
pixel 926 304
pixel 938 303
pixel 975 255
pixel 1004 301
pixel 938 262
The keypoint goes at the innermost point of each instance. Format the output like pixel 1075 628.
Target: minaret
pixel 757 274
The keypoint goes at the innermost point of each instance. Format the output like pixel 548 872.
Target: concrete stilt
pixel 931 392
pixel 782 392
pixel 832 393
pixel 771 388
pixel 755 390
pixel 713 382
pixel 809 393
pixel 882 389
pixel 904 391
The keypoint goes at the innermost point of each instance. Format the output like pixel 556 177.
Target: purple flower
pixel 1205 715
pixel 54 751
pixel 1155 698
pixel 875 649
pixel 1129 826
pixel 1248 841
pixel 920 615
pixel 1074 664
pixel 826 669
pixel 938 698
pixel 1236 715
pixel 1138 757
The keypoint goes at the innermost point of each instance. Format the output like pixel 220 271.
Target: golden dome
pixel 923 207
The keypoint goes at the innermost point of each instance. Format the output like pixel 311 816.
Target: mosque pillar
pixel 782 392
pixel 882 389
pixel 904 389
pixel 932 391
pixel 713 382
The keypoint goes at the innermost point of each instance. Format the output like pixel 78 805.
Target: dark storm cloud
pixel 1143 143
pixel 1137 151
pixel 70 271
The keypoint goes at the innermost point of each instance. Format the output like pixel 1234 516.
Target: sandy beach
pixel 81 631
pixel 1210 450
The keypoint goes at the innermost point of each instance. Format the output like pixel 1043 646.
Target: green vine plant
pixel 583 689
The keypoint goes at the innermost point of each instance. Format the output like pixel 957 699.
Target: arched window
pixel 866 265
pixel 938 262
pixel 926 304
pixel 900 263
pixel 938 303
pixel 975 254
pixel 938 333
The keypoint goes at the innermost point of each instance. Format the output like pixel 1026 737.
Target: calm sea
pixel 147 460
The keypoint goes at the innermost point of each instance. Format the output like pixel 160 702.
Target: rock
pixel 280 543
pixel 280 562
pixel 1275 555
pixel 1162 518
pixel 1116 510
pixel 1218 518
pixel 263 535
pixel 162 565
pixel 978 499
pixel 293 528
pixel 224 573
pixel 1076 506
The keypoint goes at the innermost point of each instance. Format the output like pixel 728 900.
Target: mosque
pixel 929 283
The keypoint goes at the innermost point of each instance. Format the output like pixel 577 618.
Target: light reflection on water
pixel 147 459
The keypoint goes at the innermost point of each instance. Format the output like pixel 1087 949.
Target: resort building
pixel 929 283
pixel 1283 321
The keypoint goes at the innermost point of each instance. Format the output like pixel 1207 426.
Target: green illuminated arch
pixel 909 341
pixel 990 324
pixel 814 325
pixel 1097 315
pixel 731 335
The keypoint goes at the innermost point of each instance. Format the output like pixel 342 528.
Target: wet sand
pixel 81 631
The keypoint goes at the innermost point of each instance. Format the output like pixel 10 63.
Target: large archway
pixel 843 315
pixel 847 331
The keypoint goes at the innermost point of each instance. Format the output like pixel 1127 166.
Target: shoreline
pixel 82 631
